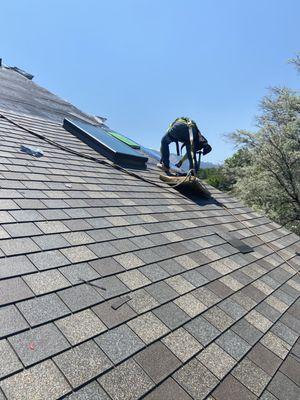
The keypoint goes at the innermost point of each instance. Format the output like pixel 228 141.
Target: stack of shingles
pixel 203 319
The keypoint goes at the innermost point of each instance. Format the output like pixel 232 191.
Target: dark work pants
pixel 164 149
pixel 167 140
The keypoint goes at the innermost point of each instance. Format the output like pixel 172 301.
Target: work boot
pixel 162 166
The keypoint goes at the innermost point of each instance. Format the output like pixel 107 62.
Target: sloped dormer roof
pixel 116 288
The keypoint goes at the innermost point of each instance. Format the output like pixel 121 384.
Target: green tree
pixel 266 169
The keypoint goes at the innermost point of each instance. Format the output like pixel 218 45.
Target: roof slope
pixel 202 320
pixel 19 94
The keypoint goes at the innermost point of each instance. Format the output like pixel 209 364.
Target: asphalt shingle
pixel 79 235
pixel 43 309
pixel 127 381
pixel 182 344
pixel 119 343
pixel 80 326
pixel 148 327
pixel 157 361
pixel 44 380
pixel 197 380
pixel 46 281
pixel 82 363
pixel 11 321
pixel 9 362
pixel 38 344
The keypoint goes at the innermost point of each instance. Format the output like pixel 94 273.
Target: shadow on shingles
pixel 198 199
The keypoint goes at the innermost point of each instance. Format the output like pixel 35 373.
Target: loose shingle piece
pixel 114 287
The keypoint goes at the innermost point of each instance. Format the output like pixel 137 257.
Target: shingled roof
pixel 116 288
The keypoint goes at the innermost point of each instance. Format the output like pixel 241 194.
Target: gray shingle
pixel 171 315
pixel 283 388
pixel 197 380
pixel 49 242
pixel 161 292
pixel 48 259
pixel 79 297
pixel 195 278
pixel 218 318
pixel 38 344
pixel 284 332
pixel 233 344
pixel 134 279
pixel 46 281
pixel 82 363
pixel 253 377
pixel 113 286
pixel 44 380
pixel 18 246
pixel 154 272
pixel 148 327
pixel 103 249
pixel 141 301
pixel 52 227
pixel 119 343
pixel 106 266
pixel 78 254
pixel 182 344
pixel 233 309
pixel 216 360
pixel 14 266
pixel 9 362
pixel 129 260
pixel 43 309
pixel 291 368
pixel 171 267
pixel 80 326
pixel 11 321
pixel 92 391
pixel 13 290
pixel 128 381
pixel 22 229
pixel 247 331
pixel 202 330
pixel 76 272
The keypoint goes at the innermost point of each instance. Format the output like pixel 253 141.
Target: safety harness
pixel 190 124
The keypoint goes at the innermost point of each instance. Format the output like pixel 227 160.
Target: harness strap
pixel 177 148
pixel 192 147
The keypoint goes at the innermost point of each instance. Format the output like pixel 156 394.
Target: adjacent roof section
pixel 22 95
pixel 117 288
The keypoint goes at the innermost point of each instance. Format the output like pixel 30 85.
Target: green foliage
pixel 215 177
pixel 265 171
pixel 296 61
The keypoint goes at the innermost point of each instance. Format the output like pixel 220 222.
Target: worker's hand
pixel 179 164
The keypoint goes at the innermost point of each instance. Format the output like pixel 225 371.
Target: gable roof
pixel 113 287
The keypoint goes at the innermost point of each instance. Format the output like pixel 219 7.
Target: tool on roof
pixel 92 284
pixel 119 302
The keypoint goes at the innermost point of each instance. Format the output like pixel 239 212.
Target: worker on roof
pixel 185 131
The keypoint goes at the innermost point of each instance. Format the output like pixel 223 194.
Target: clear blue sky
pixel 142 63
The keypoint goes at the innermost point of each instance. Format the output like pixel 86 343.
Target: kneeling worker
pixel 185 131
